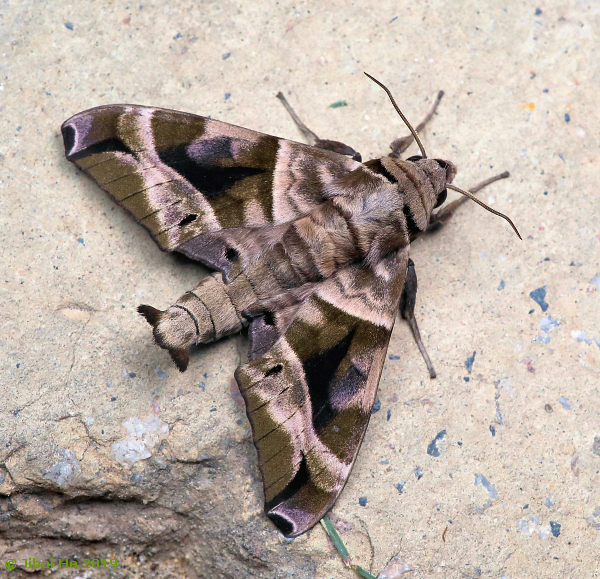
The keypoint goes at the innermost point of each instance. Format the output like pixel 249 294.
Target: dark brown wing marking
pixel 309 397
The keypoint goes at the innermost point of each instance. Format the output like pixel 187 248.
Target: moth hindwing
pixel 309 248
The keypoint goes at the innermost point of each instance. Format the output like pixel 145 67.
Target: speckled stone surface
pixel 491 470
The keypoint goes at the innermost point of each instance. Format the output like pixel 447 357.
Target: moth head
pixel 441 174
pixel 430 176
pixel 440 194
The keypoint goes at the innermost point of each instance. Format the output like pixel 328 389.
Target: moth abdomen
pixel 209 312
pixel 174 330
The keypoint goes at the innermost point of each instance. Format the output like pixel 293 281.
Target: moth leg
pixel 400 145
pixel 313 140
pixel 407 311
pixel 445 213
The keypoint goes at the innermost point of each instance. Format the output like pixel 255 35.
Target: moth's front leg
pixel 445 213
pixel 400 145
pixel 335 146
pixel 407 310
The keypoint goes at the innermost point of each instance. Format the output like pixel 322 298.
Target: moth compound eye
pixel 414 158
pixel 441 198
pixel 441 163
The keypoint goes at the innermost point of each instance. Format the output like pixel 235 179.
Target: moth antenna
pixel 471 196
pixel 414 133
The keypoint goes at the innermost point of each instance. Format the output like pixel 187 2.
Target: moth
pixel 310 252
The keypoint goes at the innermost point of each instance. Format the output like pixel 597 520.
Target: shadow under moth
pixel 310 248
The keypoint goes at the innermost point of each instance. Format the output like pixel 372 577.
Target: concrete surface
pixel 106 450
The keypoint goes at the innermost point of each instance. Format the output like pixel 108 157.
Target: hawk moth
pixel 310 248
